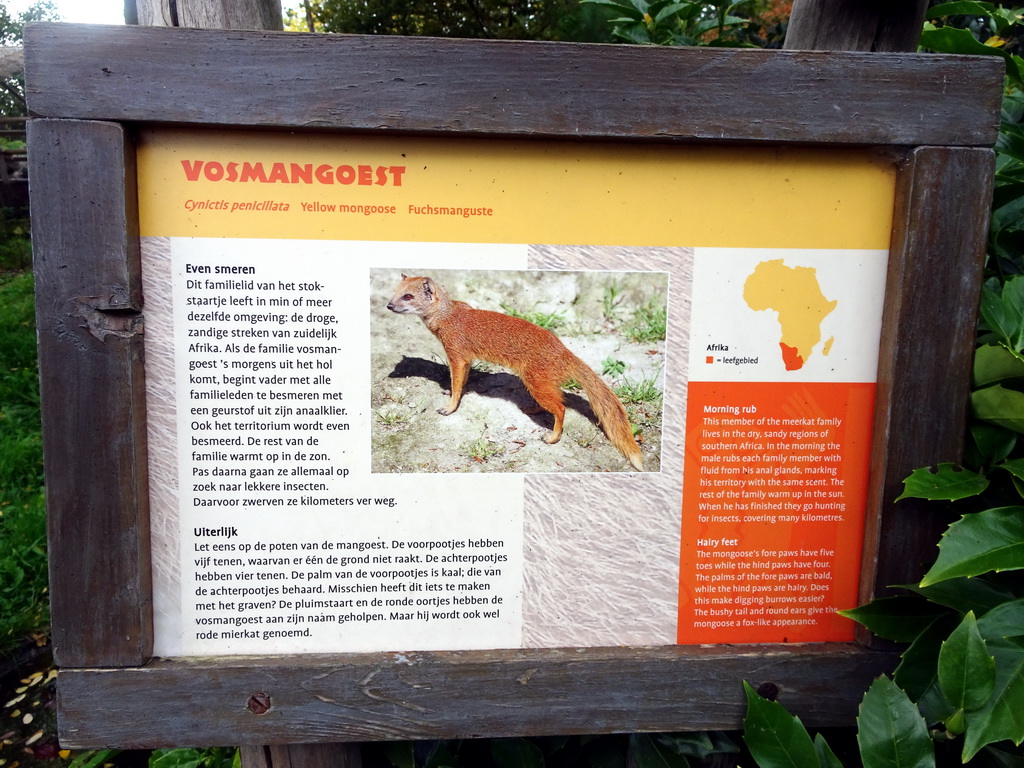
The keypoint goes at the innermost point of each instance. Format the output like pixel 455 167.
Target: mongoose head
pixel 413 296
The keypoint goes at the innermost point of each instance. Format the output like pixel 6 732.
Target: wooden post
pixel 303 756
pixel 855 25
pixel 207 14
pixel 244 14
pixel 874 25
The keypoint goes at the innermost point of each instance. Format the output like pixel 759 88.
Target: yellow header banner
pixel 205 183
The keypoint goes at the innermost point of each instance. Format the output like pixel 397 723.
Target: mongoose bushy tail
pixel 609 411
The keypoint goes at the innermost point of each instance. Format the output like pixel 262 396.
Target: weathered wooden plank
pixel 476 87
pixel 88 299
pixel 942 208
pixel 467 694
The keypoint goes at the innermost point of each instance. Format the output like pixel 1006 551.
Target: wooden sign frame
pixel 89 88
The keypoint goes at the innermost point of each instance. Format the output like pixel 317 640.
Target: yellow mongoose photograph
pixel 599 336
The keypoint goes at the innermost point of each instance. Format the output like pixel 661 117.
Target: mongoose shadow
pixel 500 385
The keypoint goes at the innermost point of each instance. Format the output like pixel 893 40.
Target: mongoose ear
pixel 428 288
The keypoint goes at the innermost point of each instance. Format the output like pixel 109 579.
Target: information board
pixel 285 541
pixel 307 495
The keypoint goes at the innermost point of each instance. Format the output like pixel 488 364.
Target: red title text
pixel 294 173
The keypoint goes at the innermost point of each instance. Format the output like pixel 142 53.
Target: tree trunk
pixel 209 14
pixel 12 61
pixel 310 22
pixel 855 25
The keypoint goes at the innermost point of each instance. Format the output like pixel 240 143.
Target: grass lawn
pixel 26 693
pixel 23 599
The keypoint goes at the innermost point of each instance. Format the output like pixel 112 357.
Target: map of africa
pixel 796 297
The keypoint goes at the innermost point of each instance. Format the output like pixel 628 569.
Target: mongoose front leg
pixel 460 373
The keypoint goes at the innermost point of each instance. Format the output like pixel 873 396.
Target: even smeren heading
pixel 293 173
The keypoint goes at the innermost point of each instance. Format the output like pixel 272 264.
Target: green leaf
pixel 1002 309
pixel 516 753
pixel 1009 15
pixel 967 671
pixel 933 705
pixel 636 34
pixel 722 743
pixel 956 40
pixel 1005 221
pixel 1009 188
pixel 691 12
pixel 917 673
pixel 1010 142
pixel 1002 717
pixel 1003 622
pixel 963 594
pixel 649 753
pixel 175 758
pixel 627 10
pixel 826 757
pixel 93 758
pixel 775 738
pixel 1015 467
pixel 946 482
pixel 700 744
pixel 999 405
pixel 697 744
pixel 901 618
pixel 890 731
pixel 994 363
pixel 710 24
pixel 669 11
pixel 963 8
pixel 992 444
pixel 1018 483
pixel 991 540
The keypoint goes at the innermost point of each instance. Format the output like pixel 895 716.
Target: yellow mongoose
pixel 535 354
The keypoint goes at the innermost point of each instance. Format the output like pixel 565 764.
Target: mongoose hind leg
pixel 549 398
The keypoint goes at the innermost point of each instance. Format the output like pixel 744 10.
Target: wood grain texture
pixel 475 87
pixel 468 694
pixel 214 14
pixel 935 269
pixel 855 25
pixel 88 299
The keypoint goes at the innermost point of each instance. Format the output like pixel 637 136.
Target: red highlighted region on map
pixel 794 294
